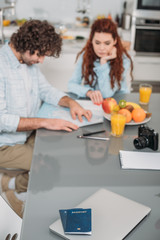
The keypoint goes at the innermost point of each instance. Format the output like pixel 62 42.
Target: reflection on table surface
pixel 66 170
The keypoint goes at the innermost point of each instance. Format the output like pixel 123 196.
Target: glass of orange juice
pixel 145 91
pixel 117 124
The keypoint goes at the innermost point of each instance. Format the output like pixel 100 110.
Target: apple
pixel 108 104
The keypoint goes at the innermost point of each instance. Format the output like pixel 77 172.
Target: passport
pixel 76 220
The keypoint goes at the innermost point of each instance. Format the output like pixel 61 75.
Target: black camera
pixel 147 137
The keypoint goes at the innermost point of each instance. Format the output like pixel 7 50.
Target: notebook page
pixel 140 160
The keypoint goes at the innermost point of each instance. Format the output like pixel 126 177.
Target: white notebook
pixel 140 160
pixel 113 216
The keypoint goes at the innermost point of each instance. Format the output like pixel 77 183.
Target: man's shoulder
pixel 34 68
pixel 3 59
pixel 4 48
pixel 3 52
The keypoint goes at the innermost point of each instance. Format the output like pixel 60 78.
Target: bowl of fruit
pixel 135 115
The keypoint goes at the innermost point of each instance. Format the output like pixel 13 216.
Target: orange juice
pixel 117 124
pixel 145 91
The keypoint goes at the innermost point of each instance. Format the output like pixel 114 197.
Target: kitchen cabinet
pixel 59 70
pixel 9 30
pixel 146 68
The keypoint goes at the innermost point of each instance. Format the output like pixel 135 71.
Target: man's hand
pixel 95 96
pixel 28 124
pixel 110 56
pixel 75 109
pixel 59 124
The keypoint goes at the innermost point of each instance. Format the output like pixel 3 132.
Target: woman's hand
pixel 110 56
pixel 95 96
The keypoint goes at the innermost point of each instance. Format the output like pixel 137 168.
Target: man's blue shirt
pixel 14 96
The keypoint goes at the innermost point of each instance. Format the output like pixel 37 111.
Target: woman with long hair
pixel 104 67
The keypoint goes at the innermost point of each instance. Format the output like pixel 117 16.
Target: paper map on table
pixel 51 111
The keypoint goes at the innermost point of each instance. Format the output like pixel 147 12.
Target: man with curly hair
pixel 22 89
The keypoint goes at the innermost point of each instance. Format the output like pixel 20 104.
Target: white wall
pixel 64 10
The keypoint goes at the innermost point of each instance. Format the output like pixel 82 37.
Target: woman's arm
pixel 126 77
pixel 103 73
pixel 104 80
pixel 75 83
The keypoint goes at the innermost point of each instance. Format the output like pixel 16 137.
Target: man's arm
pixel 28 124
pixel 75 108
pixel 53 96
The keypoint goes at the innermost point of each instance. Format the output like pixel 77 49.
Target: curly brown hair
pixel 36 35
pixel 105 26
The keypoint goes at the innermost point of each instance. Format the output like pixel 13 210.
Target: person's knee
pixel 21 182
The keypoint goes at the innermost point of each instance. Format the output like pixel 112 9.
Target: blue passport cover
pixel 76 220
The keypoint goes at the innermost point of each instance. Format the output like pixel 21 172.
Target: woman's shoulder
pixel 79 58
pixel 125 57
pixel 126 60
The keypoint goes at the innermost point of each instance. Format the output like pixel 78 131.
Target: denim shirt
pixel 75 84
pixel 14 97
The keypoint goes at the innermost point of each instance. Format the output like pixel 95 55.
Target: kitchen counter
pixel 59 71
pixel 70 44
pixel 73 46
pixel 9 30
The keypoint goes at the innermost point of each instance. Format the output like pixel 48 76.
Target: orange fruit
pixel 126 113
pixel 6 22
pixel 138 114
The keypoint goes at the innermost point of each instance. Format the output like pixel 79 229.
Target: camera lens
pixel 140 142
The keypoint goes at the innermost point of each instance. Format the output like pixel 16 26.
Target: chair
pixel 10 221
pixel 11 171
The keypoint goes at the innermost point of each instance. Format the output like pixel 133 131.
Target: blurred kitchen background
pixel 138 23
pixel 65 10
